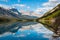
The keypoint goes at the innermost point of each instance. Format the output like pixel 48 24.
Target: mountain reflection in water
pixel 13 27
pixel 18 34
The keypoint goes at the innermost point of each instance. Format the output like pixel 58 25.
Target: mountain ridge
pixel 13 13
pixel 51 20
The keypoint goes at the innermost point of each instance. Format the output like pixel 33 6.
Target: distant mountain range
pixel 14 13
pixel 7 13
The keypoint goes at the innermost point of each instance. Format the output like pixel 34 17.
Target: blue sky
pixel 40 6
pixel 32 4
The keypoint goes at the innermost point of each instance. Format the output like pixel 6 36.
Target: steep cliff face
pixel 51 19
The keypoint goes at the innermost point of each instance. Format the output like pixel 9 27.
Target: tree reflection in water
pixel 54 38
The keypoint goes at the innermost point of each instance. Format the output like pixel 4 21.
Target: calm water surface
pixel 25 31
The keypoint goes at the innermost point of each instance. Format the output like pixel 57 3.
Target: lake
pixel 25 31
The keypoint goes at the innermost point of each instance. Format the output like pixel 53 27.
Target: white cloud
pixel 42 10
pixel 5 6
pixel 47 6
pixel 51 3
pixel 38 10
pixel 30 13
pixel 12 6
pixel 54 1
pixel 19 5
